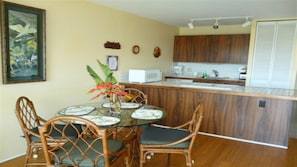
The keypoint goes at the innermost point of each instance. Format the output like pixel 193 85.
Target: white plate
pixel 147 114
pixel 124 105
pixel 101 120
pixel 77 110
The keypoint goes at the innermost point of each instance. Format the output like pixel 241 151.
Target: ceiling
pixel 179 12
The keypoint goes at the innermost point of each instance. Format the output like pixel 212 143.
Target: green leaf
pixel 107 72
pixel 94 75
pixel 111 79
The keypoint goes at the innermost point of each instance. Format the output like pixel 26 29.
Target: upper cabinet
pixel 201 47
pixel 183 49
pixel 212 48
pixel 220 48
pixel 274 55
pixel 239 49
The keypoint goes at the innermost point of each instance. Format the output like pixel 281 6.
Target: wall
pixel 75 33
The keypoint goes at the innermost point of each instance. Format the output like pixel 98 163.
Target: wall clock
pixel 135 49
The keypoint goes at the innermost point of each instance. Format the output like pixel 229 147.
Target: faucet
pixel 216 73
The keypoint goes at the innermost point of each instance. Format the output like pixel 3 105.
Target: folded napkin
pixel 147 114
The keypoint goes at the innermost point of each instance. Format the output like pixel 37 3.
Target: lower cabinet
pixel 257 119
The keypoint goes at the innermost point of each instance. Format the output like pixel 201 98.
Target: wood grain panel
pixel 183 49
pixel 225 114
pixel 220 48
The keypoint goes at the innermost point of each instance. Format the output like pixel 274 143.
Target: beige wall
pixel 75 33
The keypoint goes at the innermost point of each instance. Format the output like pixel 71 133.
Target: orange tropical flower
pixel 107 89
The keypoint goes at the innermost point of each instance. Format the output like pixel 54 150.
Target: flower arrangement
pixel 106 87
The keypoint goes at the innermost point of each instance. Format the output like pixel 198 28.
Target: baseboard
pixel 243 140
pixel 13 157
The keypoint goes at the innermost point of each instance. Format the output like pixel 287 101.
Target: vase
pixel 115 104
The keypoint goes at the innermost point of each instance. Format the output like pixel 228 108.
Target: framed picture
pixel 23 43
pixel 112 62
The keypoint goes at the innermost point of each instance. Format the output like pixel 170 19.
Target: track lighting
pixel 229 21
pixel 191 25
pixel 216 25
pixel 246 23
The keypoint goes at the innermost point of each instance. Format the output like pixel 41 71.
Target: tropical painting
pixel 24 43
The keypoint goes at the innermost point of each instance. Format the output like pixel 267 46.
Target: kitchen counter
pixel 287 94
pixel 219 80
pixel 249 114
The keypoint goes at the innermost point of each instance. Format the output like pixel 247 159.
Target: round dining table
pixel 131 117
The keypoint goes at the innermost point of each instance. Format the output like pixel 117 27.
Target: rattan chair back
pixel 90 147
pixel 154 142
pixel 135 96
pixel 29 122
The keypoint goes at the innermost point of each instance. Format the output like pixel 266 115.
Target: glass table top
pixel 129 116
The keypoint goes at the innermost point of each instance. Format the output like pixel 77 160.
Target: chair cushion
pixel 69 131
pixel 157 135
pixel 77 157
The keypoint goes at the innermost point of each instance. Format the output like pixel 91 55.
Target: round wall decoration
pixel 135 49
pixel 157 52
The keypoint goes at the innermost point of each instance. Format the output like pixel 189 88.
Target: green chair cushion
pixel 157 135
pixel 69 131
pixel 77 157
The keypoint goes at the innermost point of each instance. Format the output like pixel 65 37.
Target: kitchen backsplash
pixel 225 70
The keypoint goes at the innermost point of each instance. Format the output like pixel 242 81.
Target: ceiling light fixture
pixel 246 23
pixel 191 25
pixel 216 25
pixel 226 20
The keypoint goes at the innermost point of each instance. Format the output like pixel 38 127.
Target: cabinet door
pixel 183 51
pixel 274 54
pixel 239 49
pixel 201 48
pixel 220 48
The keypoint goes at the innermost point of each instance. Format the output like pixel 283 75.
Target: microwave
pixel 145 75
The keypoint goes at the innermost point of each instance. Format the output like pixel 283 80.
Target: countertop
pixel 286 94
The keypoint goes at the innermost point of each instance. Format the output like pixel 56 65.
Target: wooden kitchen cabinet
pixel 239 49
pixel 183 49
pixel 232 49
pixel 220 48
pixel 226 113
pixel 201 46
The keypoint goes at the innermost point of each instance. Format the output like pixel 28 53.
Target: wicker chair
pixel 171 140
pixel 91 147
pixel 29 122
pixel 131 135
pixel 134 96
